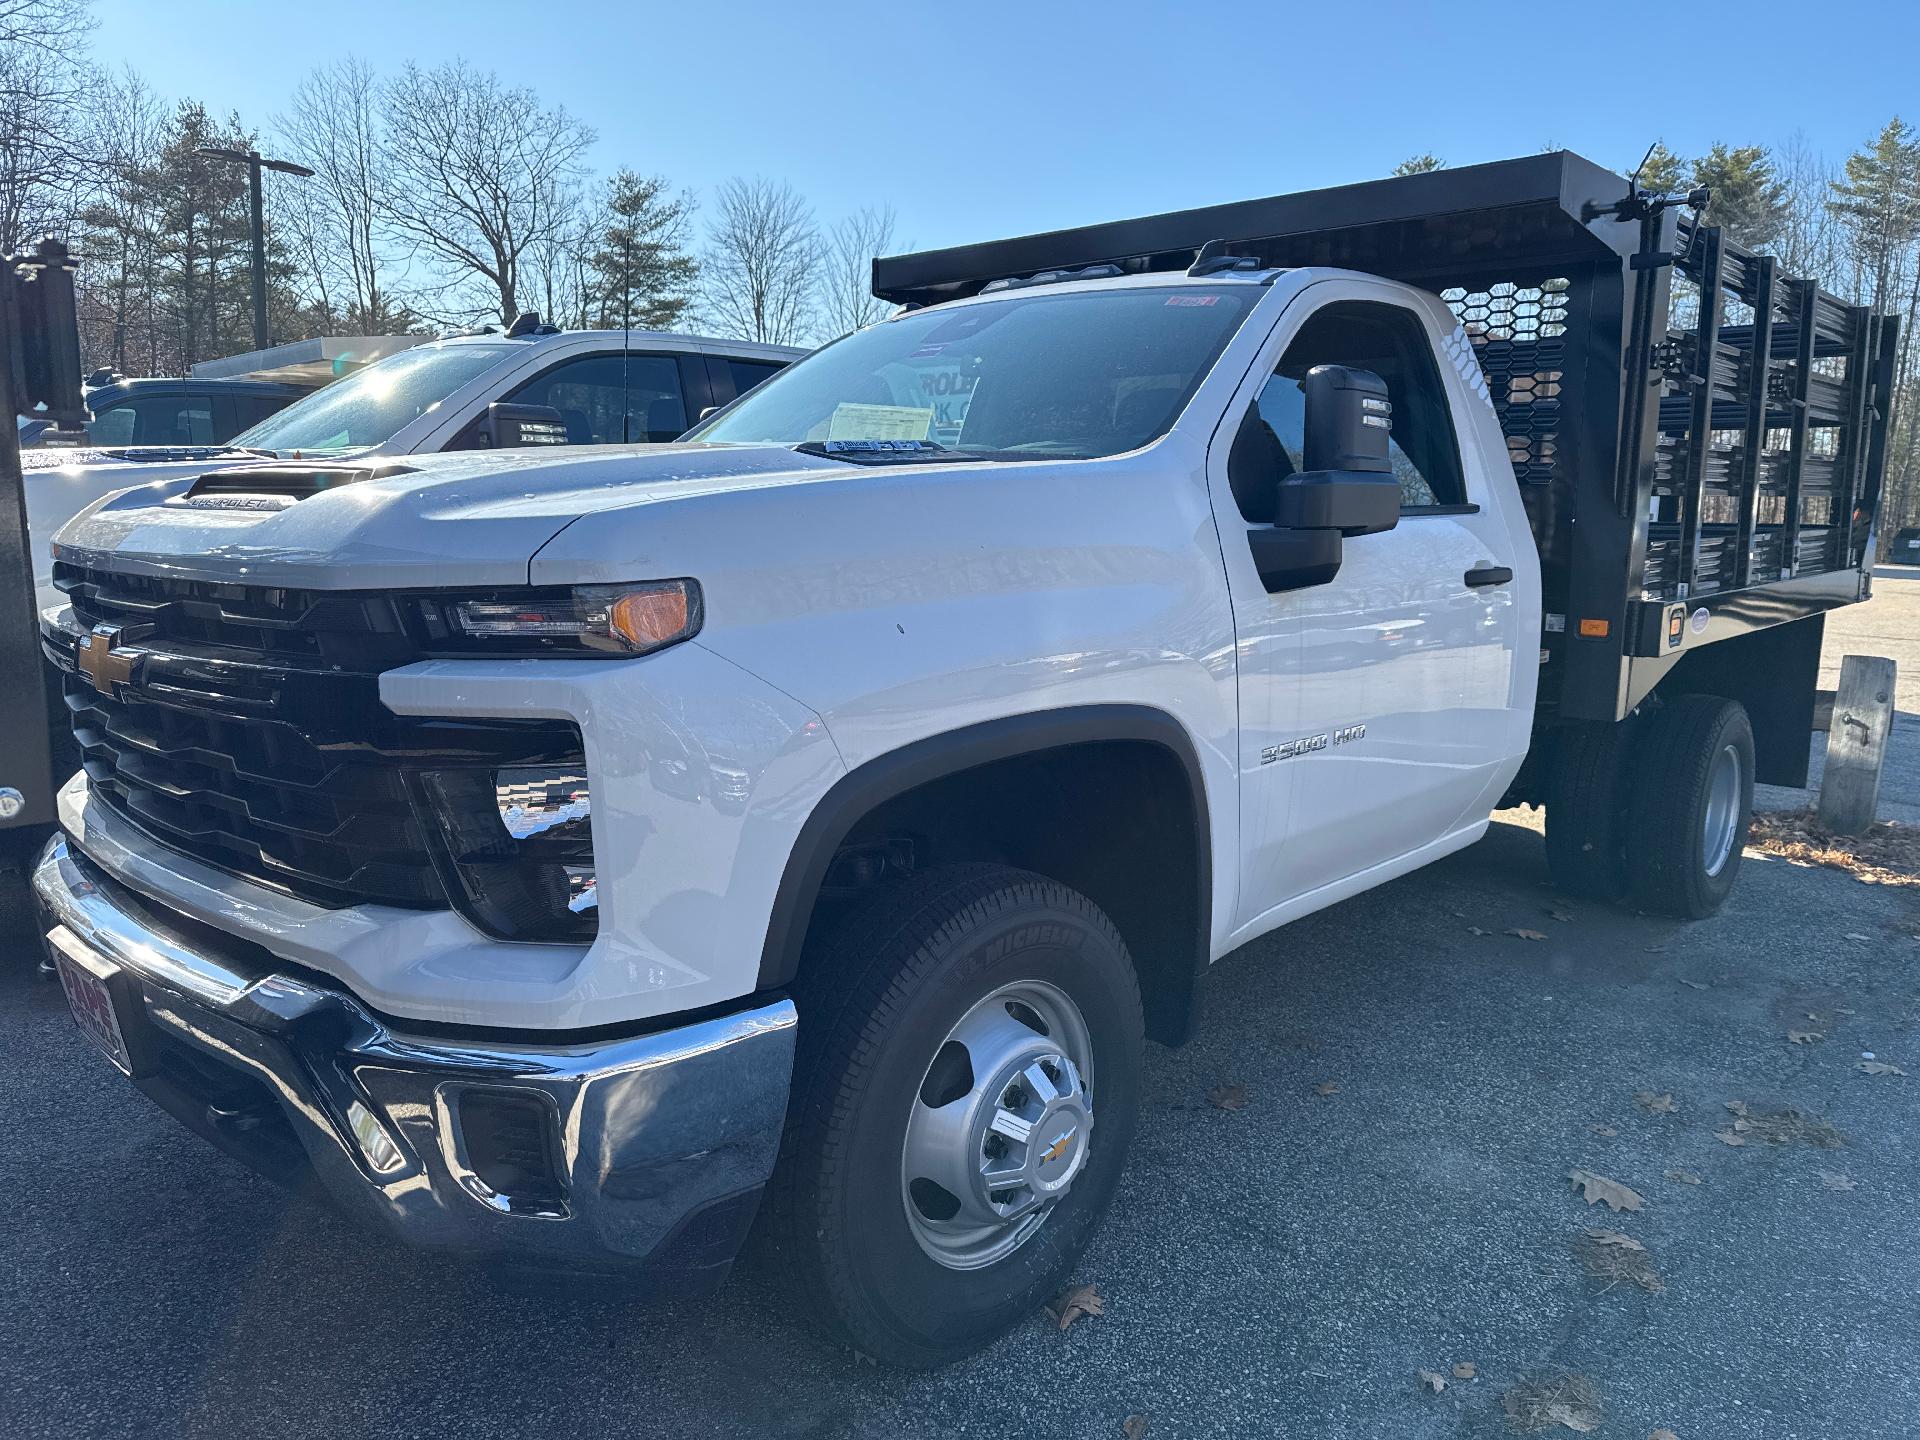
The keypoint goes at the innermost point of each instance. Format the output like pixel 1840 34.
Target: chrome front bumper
pixel 648 1148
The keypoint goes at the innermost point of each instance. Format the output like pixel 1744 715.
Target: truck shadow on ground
pixel 1419 1079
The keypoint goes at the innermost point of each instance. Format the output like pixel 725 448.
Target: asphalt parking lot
pixel 1283 1269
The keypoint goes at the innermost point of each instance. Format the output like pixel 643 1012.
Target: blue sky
pixel 984 119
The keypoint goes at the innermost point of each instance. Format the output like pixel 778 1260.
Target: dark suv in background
pixel 177 412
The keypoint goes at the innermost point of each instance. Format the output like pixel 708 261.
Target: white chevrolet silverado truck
pixel 567 858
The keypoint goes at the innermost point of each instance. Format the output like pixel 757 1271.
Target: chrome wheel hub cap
pixel 1722 817
pixel 1000 1126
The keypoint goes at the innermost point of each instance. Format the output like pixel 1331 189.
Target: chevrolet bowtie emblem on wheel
pixel 105 667
pixel 1058 1148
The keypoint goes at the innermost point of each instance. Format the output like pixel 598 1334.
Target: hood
pixel 476 518
pixel 143 457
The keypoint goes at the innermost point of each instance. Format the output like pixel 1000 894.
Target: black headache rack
pixel 1699 437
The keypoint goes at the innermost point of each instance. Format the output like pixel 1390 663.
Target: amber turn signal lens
pixel 1594 629
pixel 658 615
pixel 648 619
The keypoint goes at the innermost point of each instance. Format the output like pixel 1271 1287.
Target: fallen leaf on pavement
pixel 1779 1127
pixel 1856 935
pixel 1614 1240
pixel 1654 1104
pixel 1564 1399
pixel 1836 1182
pixel 1618 1259
pixel 1599 1190
pixel 1433 1381
pixel 1663 1434
pixel 1078 1301
pixel 1888 854
pixel 1228 1097
pixel 1737 1107
pixel 1521 934
pixel 1134 1427
pixel 1326 1087
pixel 1695 985
pixel 1465 1370
pixel 1605 1130
pixel 1684 1177
pixel 1880 1067
pixel 1476 930
pixel 1805 1037
pixel 1561 914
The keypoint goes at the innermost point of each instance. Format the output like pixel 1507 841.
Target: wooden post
pixel 1857 744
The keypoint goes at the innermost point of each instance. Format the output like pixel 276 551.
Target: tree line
pixel 441 196
pixel 1854 227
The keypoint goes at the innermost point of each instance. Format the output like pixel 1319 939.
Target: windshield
pixel 367 407
pixel 1075 376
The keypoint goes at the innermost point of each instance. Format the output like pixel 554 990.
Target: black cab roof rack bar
pixel 1050 277
pixel 1213 259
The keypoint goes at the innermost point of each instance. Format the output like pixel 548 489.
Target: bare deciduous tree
pixel 43 87
pixel 847 301
pixel 478 173
pixel 554 273
pixel 1808 243
pixel 119 281
pixel 333 128
pixel 763 257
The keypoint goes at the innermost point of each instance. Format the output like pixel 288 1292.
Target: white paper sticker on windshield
pixel 879 422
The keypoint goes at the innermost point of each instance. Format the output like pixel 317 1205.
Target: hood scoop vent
pixel 274 487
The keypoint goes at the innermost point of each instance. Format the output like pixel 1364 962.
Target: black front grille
pixel 250 734
pixel 359 629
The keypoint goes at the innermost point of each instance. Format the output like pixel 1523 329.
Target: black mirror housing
pixel 1354 502
pixel 1348 420
pixel 1347 488
pixel 511 426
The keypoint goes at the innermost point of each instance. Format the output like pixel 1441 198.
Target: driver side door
pixel 1380 711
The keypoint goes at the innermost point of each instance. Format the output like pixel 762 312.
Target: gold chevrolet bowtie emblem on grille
pixel 105 667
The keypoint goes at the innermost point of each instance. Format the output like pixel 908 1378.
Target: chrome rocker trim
pixel 660 1143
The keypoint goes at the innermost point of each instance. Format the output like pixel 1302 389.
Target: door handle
pixel 1489 575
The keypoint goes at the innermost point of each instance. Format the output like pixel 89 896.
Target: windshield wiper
pixel 876 452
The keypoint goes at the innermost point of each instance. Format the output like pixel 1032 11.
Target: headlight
pixel 607 620
pixel 518 849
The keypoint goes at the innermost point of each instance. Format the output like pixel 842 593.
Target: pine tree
pixel 1878 204
pixel 1420 164
pixel 640 272
pixel 1663 172
pixel 1749 200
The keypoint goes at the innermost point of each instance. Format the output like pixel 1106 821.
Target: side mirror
pixel 509 426
pixel 1347 488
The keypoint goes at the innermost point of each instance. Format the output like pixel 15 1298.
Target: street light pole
pixel 259 254
pixel 255 163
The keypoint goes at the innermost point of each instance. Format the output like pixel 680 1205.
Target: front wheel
pixel 966 1088
pixel 1691 803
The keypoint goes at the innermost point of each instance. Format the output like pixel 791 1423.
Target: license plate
pixel 84 978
